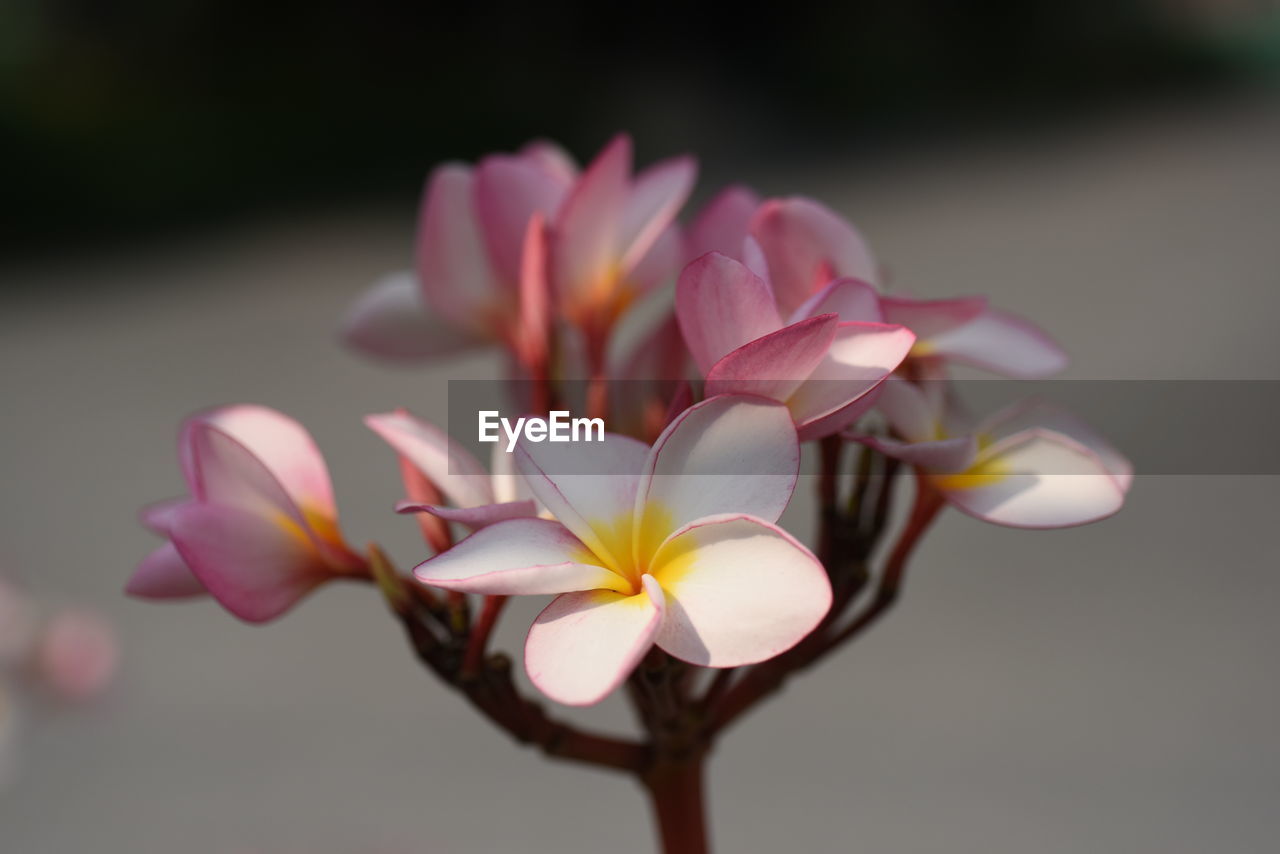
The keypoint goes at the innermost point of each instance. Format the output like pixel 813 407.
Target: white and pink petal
pixel 584 645
pixel 390 321
pixel 727 454
pixel 739 590
pixel 518 557
pixel 1036 479
pixel 722 305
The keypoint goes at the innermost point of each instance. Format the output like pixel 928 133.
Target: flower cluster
pixel 778 334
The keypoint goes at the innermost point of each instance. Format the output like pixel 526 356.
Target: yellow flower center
pixel 632 552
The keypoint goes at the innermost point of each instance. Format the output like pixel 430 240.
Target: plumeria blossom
pixel 822 367
pixel 612 240
pixel 260 528
pixel 608 238
pixel 1030 465
pixel 674 545
pixel 471 496
pixel 960 330
pixel 817 262
pixel 465 289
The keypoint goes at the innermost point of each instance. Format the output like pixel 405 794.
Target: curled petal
pixel 775 365
pixel 256 567
pixel 533 327
pixel 1035 412
pixel 163 574
pixel 927 318
pixel 839 389
pixel 739 590
pixel 155 517
pixel 807 245
pixel 722 305
pixel 518 557
pixel 583 645
pixel 476 517
pixel 444 462
pixel 1001 343
pixel 851 299
pixel 242 455
pixel 390 321
pixel 732 453
pixel 1036 479
pixel 948 456
pixel 281 445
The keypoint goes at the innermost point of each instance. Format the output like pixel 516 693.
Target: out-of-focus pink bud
pixel 77 654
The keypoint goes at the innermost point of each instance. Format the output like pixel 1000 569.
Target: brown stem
pixel 675 790
pixel 478 642
pixel 495 694
pixel 437 642
pixel 768 677
pixel 927 504
pixel 719 684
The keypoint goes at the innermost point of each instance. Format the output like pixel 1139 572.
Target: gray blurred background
pixel 1112 172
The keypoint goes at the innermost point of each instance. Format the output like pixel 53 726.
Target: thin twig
pixel 478 642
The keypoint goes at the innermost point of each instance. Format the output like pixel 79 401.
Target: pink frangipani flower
pixel 474 497
pixel 1030 465
pixel 823 369
pixel 674 545
pixel 260 528
pixel 465 289
pixel 816 262
pixel 613 239
pixel 608 238
pixel 960 330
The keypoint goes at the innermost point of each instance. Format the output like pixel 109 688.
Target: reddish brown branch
pixel 765 678
pixel 478 642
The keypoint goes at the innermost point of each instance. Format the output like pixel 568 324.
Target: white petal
pixel 739 590
pixel 1050 482
pixel 585 644
pixel 590 487
pixel 517 557
pixel 729 454
pixel 444 462
pixel 391 321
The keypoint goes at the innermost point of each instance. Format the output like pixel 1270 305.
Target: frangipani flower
pixel 816 262
pixel 608 239
pixel 1029 466
pixel 611 241
pixel 823 369
pixel 475 498
pixel 260 529
pixel 961 330
pixel 674 545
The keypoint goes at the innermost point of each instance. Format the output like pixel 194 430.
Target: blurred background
pixel 195 191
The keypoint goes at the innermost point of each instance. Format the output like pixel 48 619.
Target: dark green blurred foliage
pixel 128 116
